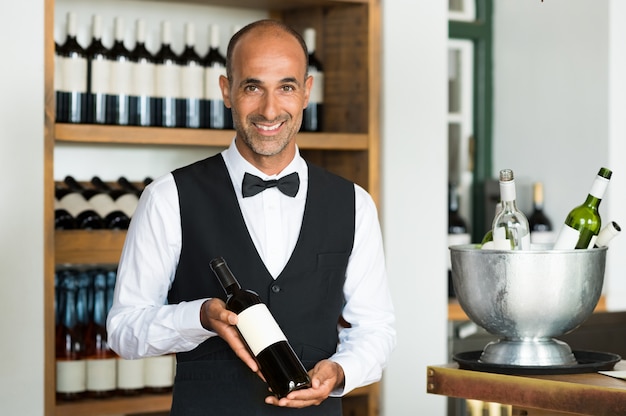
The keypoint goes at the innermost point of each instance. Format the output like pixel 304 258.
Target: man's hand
pixel 326 376
pixel 215 317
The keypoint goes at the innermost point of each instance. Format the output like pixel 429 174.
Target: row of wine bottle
pixel 85 365
pixel 582 228
pixel 119 86
pixel 99 206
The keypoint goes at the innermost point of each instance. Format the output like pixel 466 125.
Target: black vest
pixel 306 299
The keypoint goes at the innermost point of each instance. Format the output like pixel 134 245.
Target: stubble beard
pixel 265 145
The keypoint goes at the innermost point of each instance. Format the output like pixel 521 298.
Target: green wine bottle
pixel 583 223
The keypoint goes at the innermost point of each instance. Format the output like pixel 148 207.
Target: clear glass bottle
pixel 510 227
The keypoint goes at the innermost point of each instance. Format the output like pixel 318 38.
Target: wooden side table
pixel 534 395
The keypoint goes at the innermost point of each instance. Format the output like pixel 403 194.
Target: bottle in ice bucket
pixel 583 223
pixel 510 230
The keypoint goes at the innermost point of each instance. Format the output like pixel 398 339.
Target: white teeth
pixel 269 128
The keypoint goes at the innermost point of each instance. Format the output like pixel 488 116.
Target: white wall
pixel 414 203
pixel 561 45
pixel 559 108
pixel 21 208
pixel 616 284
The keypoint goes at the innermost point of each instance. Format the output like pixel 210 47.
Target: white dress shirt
pixel 141 324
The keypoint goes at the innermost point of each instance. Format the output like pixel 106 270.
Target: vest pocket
pixel 332 261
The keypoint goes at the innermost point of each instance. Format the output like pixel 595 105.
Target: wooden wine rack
pixel 348 45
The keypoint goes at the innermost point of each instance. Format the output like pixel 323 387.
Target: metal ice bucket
pixel 527 298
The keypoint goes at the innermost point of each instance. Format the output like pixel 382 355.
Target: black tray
pixel 588 362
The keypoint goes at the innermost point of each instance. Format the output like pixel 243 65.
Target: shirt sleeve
pixel 140 322
pixel 365 346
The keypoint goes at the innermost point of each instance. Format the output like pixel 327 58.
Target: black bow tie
pixel 288 185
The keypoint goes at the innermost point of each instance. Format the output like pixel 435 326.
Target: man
pixel 313 256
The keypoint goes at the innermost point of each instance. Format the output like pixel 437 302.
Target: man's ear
pixel 225 87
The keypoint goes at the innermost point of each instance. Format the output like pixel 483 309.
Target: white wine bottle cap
pixel 214 36
pixel 190 34
pixel 309 39
pixel 140 28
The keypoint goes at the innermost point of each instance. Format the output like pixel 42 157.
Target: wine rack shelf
pixel 147 403
pixel 349 46
pixel 116 135
pixel 362 402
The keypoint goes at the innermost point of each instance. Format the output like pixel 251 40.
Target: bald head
pixel 262 28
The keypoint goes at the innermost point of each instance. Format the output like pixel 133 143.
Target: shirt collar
pixel 237 166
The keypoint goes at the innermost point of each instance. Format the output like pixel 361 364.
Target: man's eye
pixel 251 88
pixel 288 88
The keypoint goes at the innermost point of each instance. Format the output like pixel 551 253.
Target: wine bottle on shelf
pixel 98 74
pixel 215 115
pixel 167 75
pixel 191 81
pixel 510 227
pixel 142 99
pixel 128 186
pixel 280 366
pixel 458 231
pixel 540 225
pixel 118 100
pixel 124 199
pixel 313 113
pixel 71 367
pixel 63 220
pixel 71 58
pixel 607 234
pixel 82 210
pixel 101 360
pixel 583 223
pixel 159 373
pixel 112 215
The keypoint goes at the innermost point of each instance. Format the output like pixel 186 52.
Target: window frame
pixel 480 31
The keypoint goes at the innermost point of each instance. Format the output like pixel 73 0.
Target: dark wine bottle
pixel 167 75
pixel 118 99
pixel 125 200
pixel 98 74
pixel 69 344
pixel 312 119
pixel 71 95
pixel 279 364
pixel 191 81
pixel 540 225
pixel 111 214
pixel 82 210
pixel 142 99
pixel 101 360
pixel 458 231
pixel 63 220
pixel 215 115
pixel 128 185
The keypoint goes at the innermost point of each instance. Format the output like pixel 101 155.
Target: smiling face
pixel 267 91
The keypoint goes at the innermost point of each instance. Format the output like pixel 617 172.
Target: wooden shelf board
pixel 140 404
pixel 88 246
pixel 116 135
pixel 158 403
pixel 273 4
